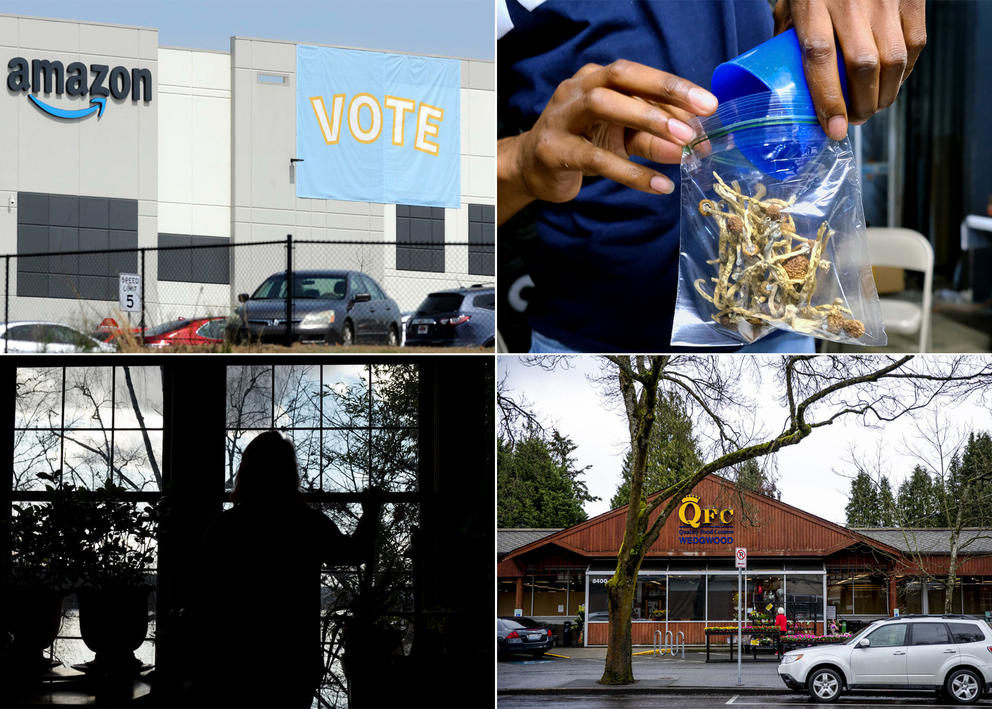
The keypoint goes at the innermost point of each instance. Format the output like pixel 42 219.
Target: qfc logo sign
pixel 98 81
pixel 704 525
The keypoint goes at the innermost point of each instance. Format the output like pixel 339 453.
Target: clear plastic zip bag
pixel 773 231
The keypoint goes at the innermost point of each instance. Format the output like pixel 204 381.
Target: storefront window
pixel 687 597
pixel 908 595
pixel 764 596
pixel 804 597
pixel 977 597
pixel 649 598
pixel 506 596
pixel 576 592
pixel 840 592
pixel 936 595
pixel 548 594
pixel 871 595
pixel 598 608
pixel 722 599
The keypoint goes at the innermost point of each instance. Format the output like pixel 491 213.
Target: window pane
pixel 86 458
pixel 723 598
pixel 138 392
pixel 346 460
pixel 35 452
pixel 649 598
pixel 88 397
pixel 871 596
pixel 297 396
pixel 395 395
pixel 395 459
pixel 345 395
pixel 888 636
pixel 138 460
pixel 249 397
pixel 840 592
pixel 965 633
pixel 686 598
pixel 977 598
pixel 764 597
pixel 804 597
pixel 930 634
pixel 549 594
pixel 936 595
pixel 908 596
pixel 307 445
pixel 598 602
pixel 38 403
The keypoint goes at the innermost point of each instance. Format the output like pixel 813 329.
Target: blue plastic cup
pixel 774 68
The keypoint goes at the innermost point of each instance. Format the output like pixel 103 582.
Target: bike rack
pixel 679 642
pixel 657 642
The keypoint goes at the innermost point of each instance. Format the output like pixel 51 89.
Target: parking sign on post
pixel 130 292
pixel 740 562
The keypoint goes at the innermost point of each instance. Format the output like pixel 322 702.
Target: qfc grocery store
pixel 817 570
pixel 192 166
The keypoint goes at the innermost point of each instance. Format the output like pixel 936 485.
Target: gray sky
pixel 457 28
pixel 810 472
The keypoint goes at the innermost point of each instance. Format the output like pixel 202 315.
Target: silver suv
pixel 949 654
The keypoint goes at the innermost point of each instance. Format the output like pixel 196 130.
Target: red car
pixel 198 331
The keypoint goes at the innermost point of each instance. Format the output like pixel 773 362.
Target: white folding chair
pixel 904 248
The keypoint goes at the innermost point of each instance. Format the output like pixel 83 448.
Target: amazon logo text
pixel 77 79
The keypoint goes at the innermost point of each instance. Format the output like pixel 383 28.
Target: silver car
pixel 949 654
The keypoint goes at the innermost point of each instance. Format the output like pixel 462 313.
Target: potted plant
pixel 38 579
pixel 116 549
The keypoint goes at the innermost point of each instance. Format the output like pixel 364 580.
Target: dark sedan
pixel 333 307
pixel 523 635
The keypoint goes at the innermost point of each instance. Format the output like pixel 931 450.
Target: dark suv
pixel 459 317
pixel 336 307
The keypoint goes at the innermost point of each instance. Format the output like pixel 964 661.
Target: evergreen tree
pixel 538 484
pixel 886 504
pixel 976 469
pixel 863 505
pixel 750 476
pixel 918 500
pixel 672 450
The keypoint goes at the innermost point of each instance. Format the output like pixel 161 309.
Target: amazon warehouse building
pixel 817 570
pixel 191 167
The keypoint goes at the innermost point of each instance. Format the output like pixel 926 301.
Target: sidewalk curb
pixel 634 689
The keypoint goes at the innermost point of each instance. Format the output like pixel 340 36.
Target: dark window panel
pixel 63 210
pixel 61 241
pixel 63 286
pixel 211 265
pixel 93 287
pixel 32 208
pixel 124 261
pixel 32 285
pixel 93 212
pixel 175 265
pixel 123 214
pixel 94 264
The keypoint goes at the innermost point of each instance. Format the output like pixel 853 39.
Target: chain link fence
pixel 191 280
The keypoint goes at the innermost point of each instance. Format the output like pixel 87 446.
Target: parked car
pixel 523 635
pixel 459 317
pixel 951 654
pixel 336 307
pixel 38 336
pixel 197 331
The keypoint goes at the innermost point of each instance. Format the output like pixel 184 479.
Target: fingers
pixel 815 31
pixel 782 15
pixel 651 84
pixel 592 160
pixel 913 18
pixel 603 105
pixel 857 42
pixel 892 55
pixel 654 149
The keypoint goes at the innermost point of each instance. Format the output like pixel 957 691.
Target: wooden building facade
pixel 820 572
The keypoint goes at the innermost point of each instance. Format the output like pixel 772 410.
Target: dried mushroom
pixel 766 272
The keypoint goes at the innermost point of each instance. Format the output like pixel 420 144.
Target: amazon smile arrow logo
pixel 96 80
pixel 99 103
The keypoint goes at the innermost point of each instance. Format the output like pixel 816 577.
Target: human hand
pixel 595 121
pixel 880 40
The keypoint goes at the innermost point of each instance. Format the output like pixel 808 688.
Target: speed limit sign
pixel 740 558
pixel 130 292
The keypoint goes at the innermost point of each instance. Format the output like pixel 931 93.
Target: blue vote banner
pixel 374 127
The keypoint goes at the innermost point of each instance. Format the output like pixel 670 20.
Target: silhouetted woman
pixel 262 572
